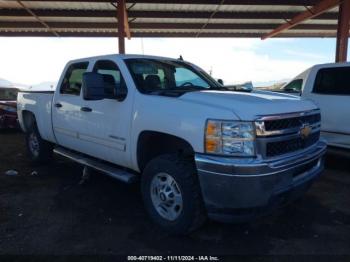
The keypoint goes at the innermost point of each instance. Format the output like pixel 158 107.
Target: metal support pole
pixel 121 26
pixel 343 32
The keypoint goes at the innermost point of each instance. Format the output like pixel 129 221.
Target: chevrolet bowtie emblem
pixel 305 131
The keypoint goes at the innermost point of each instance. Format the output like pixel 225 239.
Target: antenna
pixel 180 58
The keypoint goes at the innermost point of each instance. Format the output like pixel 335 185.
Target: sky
pixel 32 61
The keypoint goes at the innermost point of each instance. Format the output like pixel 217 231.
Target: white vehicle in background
pixel 198 148
pixel 328 86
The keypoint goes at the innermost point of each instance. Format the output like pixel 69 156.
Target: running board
pixel 107 169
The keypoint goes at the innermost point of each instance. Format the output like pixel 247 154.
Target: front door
pixel 105 123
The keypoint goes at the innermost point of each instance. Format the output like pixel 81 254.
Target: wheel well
pixel 152 144
pixel 29 120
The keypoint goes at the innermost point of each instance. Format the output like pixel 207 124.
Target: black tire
pixel 43 152
pixel 183 171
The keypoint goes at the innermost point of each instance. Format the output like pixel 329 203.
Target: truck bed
pixel 39 103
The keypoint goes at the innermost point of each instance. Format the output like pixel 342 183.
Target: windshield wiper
pixel 181 91
pixel 173 92
pixel 219 88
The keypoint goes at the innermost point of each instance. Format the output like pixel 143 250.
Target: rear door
pixel 331 92
pixel 66 114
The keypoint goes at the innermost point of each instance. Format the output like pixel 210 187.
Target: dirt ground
pixel 49 213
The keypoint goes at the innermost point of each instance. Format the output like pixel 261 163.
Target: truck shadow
pixel 113 211
pixel 10 131
pixel 51 213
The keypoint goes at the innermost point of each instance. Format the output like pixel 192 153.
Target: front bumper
pixel 241 188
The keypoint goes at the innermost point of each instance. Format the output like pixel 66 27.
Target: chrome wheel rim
pixel 166 196
pixel 34 144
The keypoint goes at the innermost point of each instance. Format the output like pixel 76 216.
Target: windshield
pixel 161 76
pixel 7 94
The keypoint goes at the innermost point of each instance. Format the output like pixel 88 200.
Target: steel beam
pixel 312 12
pixel 201 2
pixel 126 21
pixel 343 32
pixel 159 14
pixel 29 11
pixel 121 26
pixel 184 35
pixel 231 2
pixel 213 26
pixel 126 24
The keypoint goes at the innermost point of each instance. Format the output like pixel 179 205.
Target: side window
pixel 294 86
pixel 73 79
pixel 112 77
pixel 161 75
pixel 152 80
pixel 333 81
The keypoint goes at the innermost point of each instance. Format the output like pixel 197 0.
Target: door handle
pixel 58 105
pixel 86 109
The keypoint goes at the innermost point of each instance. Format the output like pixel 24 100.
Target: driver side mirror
pixel 93 86
pixel 220 81
pixel 100 86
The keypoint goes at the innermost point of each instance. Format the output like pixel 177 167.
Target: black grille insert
pixel 288 146
pixel 272 125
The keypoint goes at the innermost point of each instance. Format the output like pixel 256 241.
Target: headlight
pixel 8 108
pixel 234 138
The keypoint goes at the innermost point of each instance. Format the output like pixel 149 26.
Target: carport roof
pixel 167 18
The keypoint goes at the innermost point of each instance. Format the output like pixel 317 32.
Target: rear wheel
pixel 39 150
pixel 171 194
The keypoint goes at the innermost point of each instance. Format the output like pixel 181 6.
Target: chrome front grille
pixel 282 134
pixel 286 123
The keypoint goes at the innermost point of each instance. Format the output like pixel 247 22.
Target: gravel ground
pixel 49 213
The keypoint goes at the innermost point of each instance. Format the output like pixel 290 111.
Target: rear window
pixel 333 81
pixel 73 78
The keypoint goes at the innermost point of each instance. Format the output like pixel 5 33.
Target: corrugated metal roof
pixel 212 21
pixel 81 20
pixel 321 22
pixel 174 7
pixel 162 18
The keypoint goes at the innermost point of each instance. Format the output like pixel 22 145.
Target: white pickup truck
pixel 328 86
pixel 198 149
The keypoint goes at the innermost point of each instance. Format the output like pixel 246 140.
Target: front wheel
pixel 171 194
pixel 39 150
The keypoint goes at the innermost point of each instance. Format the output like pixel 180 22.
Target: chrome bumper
pixel 231 184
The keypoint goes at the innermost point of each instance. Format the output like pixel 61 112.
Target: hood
pixel 249 106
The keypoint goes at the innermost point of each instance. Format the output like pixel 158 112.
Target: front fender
pixel 172 116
